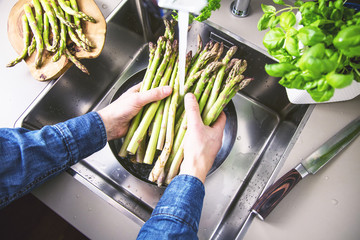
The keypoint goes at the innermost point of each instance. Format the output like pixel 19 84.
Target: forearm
pixel 30 157
pixel 177 215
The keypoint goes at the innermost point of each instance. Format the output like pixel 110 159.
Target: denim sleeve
pixel 29 158
pixel 177 214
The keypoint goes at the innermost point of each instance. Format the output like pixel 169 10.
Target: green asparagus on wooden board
pixel 49 16
pixel 26 41
pixel 73 12
pixel 37 35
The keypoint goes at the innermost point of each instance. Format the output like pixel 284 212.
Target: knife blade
pixel 310 165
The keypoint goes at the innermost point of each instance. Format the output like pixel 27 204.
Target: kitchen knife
pixel 310 165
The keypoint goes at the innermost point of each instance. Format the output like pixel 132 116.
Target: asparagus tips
pixel 73 35
pixel 60 14
pixel 26 41
pixel 77 63
pixel 219 79
pixel 37 34
pixel 63 38
pixel 53 24
pixel 78 29
pixel 71 11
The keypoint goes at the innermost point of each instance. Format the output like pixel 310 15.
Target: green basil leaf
pixel 274 20
pixel 268 8
pixel 321 96
pixel 264 21
pixel 282 55
pixel 338 4
pixel 311 35
pixel 293 79
pixel 347 37
pixel 291 32
pixel 279 69
pixel 287 20
pixel 274 39
pixel 298 3
pixel 280 2
pixel 336 14
pixel 337 80
pixel 292 46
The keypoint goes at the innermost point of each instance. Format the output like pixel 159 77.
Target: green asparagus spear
pixel 232 93
pixel 76 61
pixel 205 96
pixel 219 52
pixel 78 14
pixel 46 32
pixel 53 24
pixel 39 22
pixel 161 69
pixel 212 67
pixel 154 65
pixel 219 79
pixel 79 30
pixel 210 117
pixel 26 41
pixel 63 38
pixel 145 121
pixel 150 151
pixel 160 164
pixel 151 147
pixel 60 14
pixel 72 34
pixel 165 121
pixel 154 58
pixel 37 34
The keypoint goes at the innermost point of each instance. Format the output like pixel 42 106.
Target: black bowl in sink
pixel 142 170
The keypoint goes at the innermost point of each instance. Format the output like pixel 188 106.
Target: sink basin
pixel 267 124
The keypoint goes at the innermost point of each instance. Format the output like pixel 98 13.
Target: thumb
pixel 154 94
pixel 192 110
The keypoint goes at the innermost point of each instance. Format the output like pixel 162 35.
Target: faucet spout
pixel 240 8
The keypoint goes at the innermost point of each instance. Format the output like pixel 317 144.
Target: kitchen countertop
pixel 323 206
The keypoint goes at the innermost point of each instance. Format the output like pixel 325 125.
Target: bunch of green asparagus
pixel 63 18
pixel 159 128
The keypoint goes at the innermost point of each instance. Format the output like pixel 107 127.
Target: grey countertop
pixel 323 206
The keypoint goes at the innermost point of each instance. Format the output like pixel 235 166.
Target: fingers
pixel 192 110
pixel 220 122
pixel 153 95
pixel 135 88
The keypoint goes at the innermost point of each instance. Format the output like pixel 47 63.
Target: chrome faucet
pixel 240 8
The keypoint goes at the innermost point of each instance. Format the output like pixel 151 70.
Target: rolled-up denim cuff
pixel 183 199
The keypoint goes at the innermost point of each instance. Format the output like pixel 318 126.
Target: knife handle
pixel 275 193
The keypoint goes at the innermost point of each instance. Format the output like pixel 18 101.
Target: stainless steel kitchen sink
pixel 266 124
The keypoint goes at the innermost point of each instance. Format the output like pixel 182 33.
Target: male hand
pixel 117 115
pixel 201 143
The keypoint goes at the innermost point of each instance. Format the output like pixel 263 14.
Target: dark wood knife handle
pixel 275 193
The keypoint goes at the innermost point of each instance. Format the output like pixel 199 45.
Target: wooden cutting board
pixel 49 69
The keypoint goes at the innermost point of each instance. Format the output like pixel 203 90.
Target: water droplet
pixel 334 202
pixel 74 217
pixel 104 6
pixel 238 138
pixel 326 177
pixel 77 196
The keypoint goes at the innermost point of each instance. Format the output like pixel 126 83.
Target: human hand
pixel 117 115
pixel 201 143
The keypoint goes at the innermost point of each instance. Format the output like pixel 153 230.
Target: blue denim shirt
pixel 29 158
pixel 177 214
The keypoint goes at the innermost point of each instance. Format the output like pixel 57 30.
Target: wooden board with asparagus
pixel 51 35
pixel 156 134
